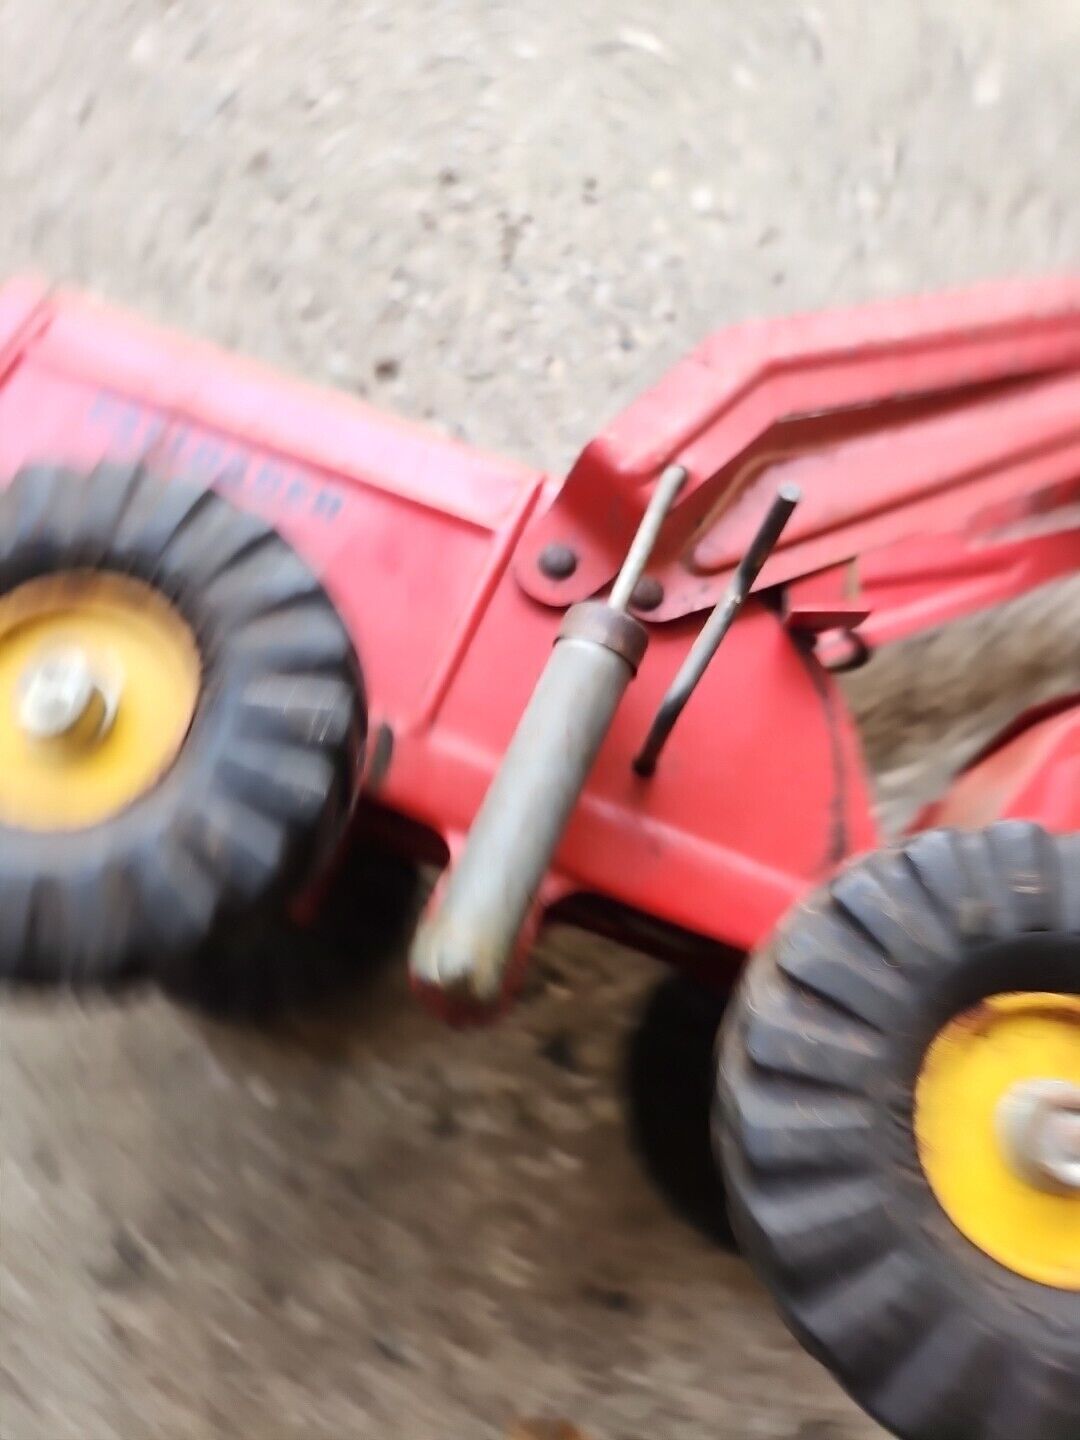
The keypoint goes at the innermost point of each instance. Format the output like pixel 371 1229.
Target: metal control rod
pixel 648 532
pixel 466 945
pixel 715 628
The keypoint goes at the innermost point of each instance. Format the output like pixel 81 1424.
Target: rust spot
pixel 1063 1015
pixel 980 1019
pixel 977 1020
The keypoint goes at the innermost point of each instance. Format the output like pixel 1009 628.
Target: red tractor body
pixel 937 446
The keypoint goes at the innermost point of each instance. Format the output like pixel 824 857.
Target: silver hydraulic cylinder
pixel 466 944
pixel 466 947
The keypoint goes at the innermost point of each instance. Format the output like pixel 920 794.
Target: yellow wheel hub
pixel 99 679
pixel 996 1126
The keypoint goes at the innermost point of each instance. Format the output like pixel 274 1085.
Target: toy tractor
pixel 241 621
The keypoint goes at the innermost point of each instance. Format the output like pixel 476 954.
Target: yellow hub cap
pixel 989 1179
pixel 99 679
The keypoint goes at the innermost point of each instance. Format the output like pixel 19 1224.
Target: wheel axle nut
pixel 60 696
pixel 1039 1128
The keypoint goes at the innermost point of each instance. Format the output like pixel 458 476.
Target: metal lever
pixel 716 627
pixel 466 945
pixel 648 532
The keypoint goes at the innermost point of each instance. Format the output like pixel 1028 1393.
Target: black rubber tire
pixel 669 1081
pixel 265 780
pixel 273 968
pixel 818 1061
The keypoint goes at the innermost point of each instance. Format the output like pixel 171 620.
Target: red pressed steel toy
pixel 829 483
pixel 425 548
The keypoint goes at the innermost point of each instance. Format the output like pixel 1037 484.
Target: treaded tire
pixel 265 779
pixel 818 1061
pixel 669 1081
pixel 273 967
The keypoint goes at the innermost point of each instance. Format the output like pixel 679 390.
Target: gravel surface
pixel 505 220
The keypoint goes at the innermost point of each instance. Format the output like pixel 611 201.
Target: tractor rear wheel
pixel 898 1117
pixel 181 723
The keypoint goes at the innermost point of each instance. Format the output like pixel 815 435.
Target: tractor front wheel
pixel 181 723
pixel 898 1117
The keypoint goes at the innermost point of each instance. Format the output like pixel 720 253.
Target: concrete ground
pixel 505 219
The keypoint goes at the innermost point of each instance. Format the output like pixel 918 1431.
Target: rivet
pixel 557 561
pixel 647 593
